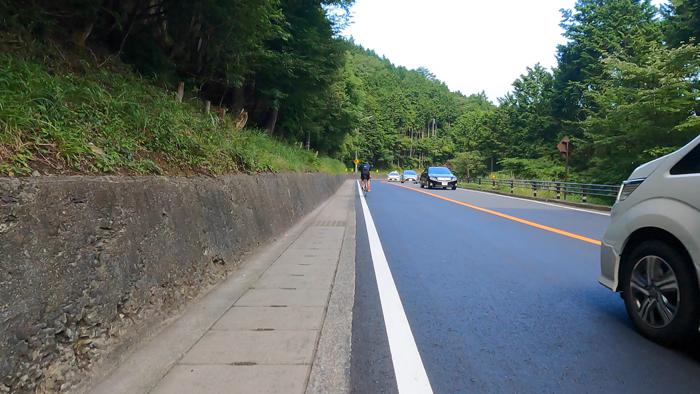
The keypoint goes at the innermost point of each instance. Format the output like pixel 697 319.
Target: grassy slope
pixel 80 118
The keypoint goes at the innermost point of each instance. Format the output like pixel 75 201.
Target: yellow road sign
pixel 356 161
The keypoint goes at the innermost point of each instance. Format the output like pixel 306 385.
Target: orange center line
pixel 509 217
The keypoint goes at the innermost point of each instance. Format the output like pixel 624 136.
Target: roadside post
pixel 356 163
pixel 558 186
pixel 564 147
pixel 180 91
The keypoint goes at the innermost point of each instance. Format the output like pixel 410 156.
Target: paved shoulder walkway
pixel 259 331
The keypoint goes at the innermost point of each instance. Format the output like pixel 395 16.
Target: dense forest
pixel 625 89
pixel 82 84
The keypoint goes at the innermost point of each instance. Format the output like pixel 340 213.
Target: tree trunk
pixel 200 54
pixel 272 121
pixel 130 25
pixel 238 99
pixel 223 95
pixel 85 34
pixel 180 46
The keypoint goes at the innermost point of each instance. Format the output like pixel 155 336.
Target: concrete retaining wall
pixel 85 261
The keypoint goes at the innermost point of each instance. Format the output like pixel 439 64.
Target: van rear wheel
pixel 660 290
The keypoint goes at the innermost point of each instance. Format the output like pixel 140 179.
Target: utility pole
pixel 356 161
pixel 354 142
pixel 357 137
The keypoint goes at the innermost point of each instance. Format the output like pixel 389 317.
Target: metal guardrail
pixel 560 188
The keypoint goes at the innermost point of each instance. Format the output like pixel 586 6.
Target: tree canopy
pixel 625 88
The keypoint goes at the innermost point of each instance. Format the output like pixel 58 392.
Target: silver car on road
pixel 409 176
pixel 393 176
pixel 651 249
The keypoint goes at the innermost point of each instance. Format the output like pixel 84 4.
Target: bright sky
pixel 471 45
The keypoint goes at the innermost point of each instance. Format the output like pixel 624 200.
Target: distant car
pixel 409 175
pixel 393 176
pixel 438 177
pixel 651 249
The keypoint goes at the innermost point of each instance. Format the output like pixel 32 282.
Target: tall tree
pixel 529 112
pixel 646 109
pixel 681 21
pixel 596 29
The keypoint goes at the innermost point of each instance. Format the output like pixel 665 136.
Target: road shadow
pixel 615 311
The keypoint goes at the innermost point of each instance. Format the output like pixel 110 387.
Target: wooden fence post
pixel 207 106
pixel 180 91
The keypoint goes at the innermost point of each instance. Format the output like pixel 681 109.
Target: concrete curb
pixel 91 266
pixel 330 371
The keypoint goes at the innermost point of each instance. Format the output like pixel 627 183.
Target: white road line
pixel 540 202
pixel 408 366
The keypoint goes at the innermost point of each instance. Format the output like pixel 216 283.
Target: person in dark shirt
pixel 365 176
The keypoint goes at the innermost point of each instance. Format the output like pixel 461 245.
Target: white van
pixel 651 250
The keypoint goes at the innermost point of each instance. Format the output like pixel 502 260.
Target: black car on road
pixel 438 177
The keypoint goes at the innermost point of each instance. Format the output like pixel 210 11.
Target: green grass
pixel 109 120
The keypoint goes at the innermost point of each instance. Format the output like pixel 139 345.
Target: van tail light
pixel 628 187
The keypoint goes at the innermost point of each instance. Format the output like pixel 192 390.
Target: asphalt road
pixel 501 295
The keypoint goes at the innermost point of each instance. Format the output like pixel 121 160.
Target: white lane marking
pixel 540 202
pixel 408 366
